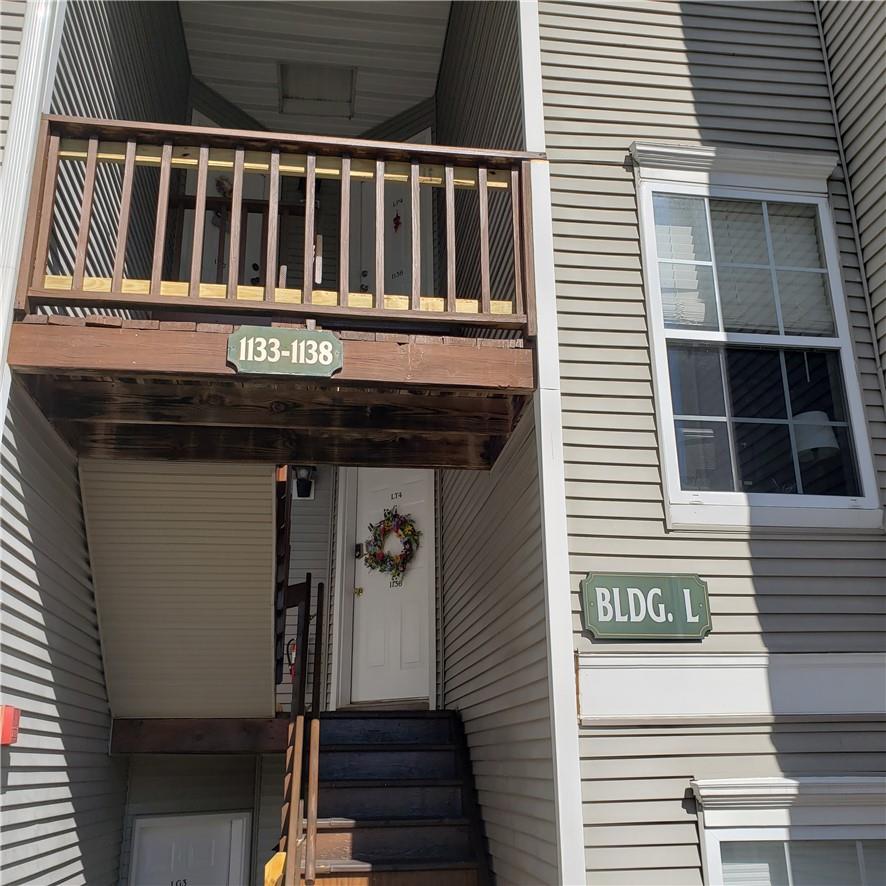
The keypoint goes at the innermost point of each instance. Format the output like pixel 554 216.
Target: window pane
pixel 824 863
pixel 827 465
pixel 687 296
pixel 703 455
pixel 815 381
pixel 763 453
pixel 795 237
pixel 681 228
pixel 755 382
pixel 874 852
pixel 696 380
pixel 754 864
pixel 747 300
pixel 805 303
pixel 739 235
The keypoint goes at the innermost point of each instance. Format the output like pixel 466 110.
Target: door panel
pixel 391 654
pixel 190 850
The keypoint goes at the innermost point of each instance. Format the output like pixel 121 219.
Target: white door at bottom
pixel 391 654
pixel 190 850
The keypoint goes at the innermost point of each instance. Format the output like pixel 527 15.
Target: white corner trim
pixel 784 793
pixel 569 818
pixel 31 95
pixel 698 686
pixel 808 171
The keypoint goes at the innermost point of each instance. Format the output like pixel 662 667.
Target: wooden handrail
pixel 312 802
pixel 495 298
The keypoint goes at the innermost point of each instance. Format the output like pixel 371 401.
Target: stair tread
pixel 341 824
pixel 389 782
pixel 385 715
pixel 353 865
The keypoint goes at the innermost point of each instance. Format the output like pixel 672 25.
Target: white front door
pixel 190 850
pixel 391 620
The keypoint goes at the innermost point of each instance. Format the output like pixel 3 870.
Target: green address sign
pixel 617 606
pixel 271 351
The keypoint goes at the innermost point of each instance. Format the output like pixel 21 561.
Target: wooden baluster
pixel 528 249
pixel 517 241
pixel 236 222
pixel 379 234
pixel 414 187
pixel 160 224
pixel 318 650
pixel 344 233
pixel 199 223
pixel 123 218
pixel 85 214
pixel 449 180
pixel 313 789
pixel 483 194
pixel 44 230
pixel 293 832
pixel 310 199
pixel 272 225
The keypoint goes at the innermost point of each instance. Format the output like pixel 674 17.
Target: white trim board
pixel 698 686
pixel 569 819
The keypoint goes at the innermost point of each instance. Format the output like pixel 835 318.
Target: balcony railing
pixel 166 219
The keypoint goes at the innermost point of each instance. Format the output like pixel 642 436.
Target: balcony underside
pixel 155 389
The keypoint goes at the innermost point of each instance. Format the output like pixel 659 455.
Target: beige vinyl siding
pixel 310 540
pixel 747 75
pixel 184 785
pixel 183 556
pixel 860 96
pixel 494 652
pixel 12 22
pixel 62 794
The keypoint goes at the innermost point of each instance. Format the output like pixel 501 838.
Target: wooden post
pixel 313 796
pixel 199 224
pixel 449 184
pixel 47 203
pixel 483 194
pixel 528 266
pixel 379 234
pixel 415 190
pixel 516 228
pixel 344 233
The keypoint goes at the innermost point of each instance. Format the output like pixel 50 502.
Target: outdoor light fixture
pixel 304 481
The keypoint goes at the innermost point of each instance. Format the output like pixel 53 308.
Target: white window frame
pixel 785 809
pixel 704 172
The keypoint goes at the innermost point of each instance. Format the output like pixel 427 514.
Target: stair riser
pixel 408 730
pixel 390 801
pixel 387 764
pixel 439 842
pixel 454 877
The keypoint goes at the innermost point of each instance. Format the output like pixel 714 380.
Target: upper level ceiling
pixel 236 48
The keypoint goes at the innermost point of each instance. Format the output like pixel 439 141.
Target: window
pixel 809 831
pixel 759 405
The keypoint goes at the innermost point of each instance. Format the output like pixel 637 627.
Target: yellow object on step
pixel 274 869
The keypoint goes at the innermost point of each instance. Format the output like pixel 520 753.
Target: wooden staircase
pixel 397 804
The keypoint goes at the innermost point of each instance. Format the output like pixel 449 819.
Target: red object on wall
pixel 9 717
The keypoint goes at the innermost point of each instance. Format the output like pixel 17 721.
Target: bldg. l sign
pixel 617 606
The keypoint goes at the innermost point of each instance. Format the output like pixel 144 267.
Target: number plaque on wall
pixel 269 351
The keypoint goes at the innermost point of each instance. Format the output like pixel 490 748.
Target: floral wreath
pixel 401 525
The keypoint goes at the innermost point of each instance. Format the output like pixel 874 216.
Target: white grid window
pixel 757 389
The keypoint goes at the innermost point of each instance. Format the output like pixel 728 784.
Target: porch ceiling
pixel 236 49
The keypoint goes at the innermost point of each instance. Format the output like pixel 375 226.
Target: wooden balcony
pixel 147 245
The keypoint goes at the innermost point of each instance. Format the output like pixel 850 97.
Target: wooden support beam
pixel 199 736
pixel 275 446
pixel 41 348
pixel 260 404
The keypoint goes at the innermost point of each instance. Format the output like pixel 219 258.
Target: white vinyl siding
pixel 310 539
pixel 12 22
pixel 62 794
pixel 183 556
pixel 494 652
pixel 738 74
pixel 858 79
